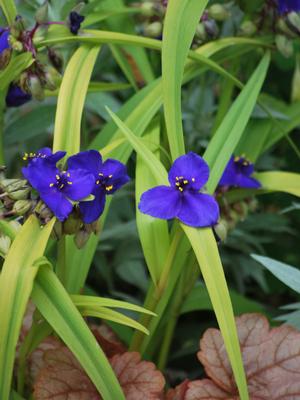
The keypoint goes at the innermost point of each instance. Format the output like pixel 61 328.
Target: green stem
pixel 155 293
pixel 2 109
pixel 61 268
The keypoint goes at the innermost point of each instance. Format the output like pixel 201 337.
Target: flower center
pixel 241 162
pixel 62 180
pixel 104 182
pixel 31 156
pixel 182 183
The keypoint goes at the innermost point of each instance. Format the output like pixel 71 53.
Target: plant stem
pixel 61 268
pixel 155 293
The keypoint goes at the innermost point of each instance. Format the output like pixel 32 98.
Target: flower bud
pixel 248 28
pixel 218 12
pixel 71 225
pixel 293 22
pixel 153 30
pixel 81 238
pixel 211 28
pixel 56 59
pixel 5 56
pixel 22 206
pixel 5 243
pixel 15 44
pixel 52 78
pixel 147 9
pixel 221 230
pixel 41 15
pixel 17 27
pixel 36 88
pixel 44 213
pixel 201 32
pixel 56 233
pixel 284 28
pixel 10 186
pixel 284 45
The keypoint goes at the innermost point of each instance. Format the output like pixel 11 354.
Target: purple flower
pixel 16 96
pixel 182 199
pixel 4 43
pixel 75 21
pixel 238 173
pixel 109 176
pixel 286 6
pixel 57 188
pixel 45 152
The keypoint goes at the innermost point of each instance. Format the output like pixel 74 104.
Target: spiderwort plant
pixel 286 6
pixel 182 199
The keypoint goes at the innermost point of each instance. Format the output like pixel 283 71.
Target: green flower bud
pixel 52 78
pixel 57 232
pixel 15 44
pixel 284 28
pixel 201 32
pixel 5 243
pixel 56 59
pixel 248 28
pixel 81 238
pixel 12 185
pixel 218 12
pixel 36 88
pixel 147 9
pixel 284 45
pixel 221 230
pixel 71 225
pixel 154 29
pixel 41 15
pixel 22 206
pixel 5 58
pixel 44 213
pixel 293 21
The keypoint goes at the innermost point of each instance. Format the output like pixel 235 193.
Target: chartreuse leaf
pixel 57 308
pixel 90 301
pixel 16 65
pixel 153 232
pixel 227 136
pixel 111 315
pixel 289 275
pixel 184 15
pixel 16 282
pixel 71 99
pixel 279 181
pixel 9 10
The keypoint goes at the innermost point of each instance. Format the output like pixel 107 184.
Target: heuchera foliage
pixel 271 359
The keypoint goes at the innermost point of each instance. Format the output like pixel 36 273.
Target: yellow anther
pixel 70 183
pixel 25 158
pixel 57 177
pixel 61 186
pixel 100 174
pixel 193 179
pixel 68 175
pixel 185 182
pixel 177 184
pixel 177 179
pixel 110 176
pixel 97 182
pixel 180 188
pixel 236 159
pixel 109 188
pixel 51 185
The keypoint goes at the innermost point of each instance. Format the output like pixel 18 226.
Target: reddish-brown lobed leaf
pixel 62 378
pixel 179 392
pixel 108 340
pixel 271 360
pixel 140 380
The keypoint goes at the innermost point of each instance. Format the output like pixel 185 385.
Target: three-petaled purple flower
pixel 286 6
pixel 108 177
pixel 75 21
pixel 182 198
pixel 58 188
pixel 45 153
pixel 238 173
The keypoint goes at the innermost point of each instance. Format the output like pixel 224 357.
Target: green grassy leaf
pixel 16 282
pixel 56 306
pixel 184 15
pixel 279 181
pixel 71 99
pixel 9 10
pixel 230 131
pixel 16 65
pixel 287 274
pixel 153 232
